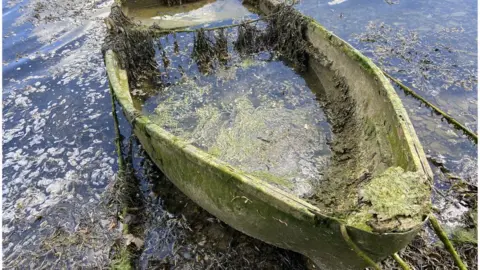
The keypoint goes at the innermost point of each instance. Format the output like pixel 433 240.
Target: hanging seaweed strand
pixel 221 46
pixel 285 34
pixel 210 49
pixel 249 39
pixel 134 47
pixel 176 47
pixel 203 51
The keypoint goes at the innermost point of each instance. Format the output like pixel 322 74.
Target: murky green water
pixel 59 157
pixel 256 113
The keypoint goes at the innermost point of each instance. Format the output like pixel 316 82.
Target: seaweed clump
pixel 203 51
pixel 249 39
pixel 286 34
pixel 209 49
pixel 221 46
pixel 134 47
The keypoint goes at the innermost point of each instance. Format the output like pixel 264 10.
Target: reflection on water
pixel 58 156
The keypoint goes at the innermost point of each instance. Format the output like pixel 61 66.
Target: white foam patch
pixel 336 2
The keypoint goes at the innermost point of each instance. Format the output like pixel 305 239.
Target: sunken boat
pixel 375 193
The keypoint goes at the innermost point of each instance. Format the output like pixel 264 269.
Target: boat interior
pixel 334 134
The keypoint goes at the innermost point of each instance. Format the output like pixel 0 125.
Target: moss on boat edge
pixel 366 63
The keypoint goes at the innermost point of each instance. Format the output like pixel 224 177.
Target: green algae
pixel 164 116
pixel 464 235
pixel 398 151
pixel 360 220
pixel 272 178
pixel 247 63
pixel 123 260
pixel 246 122
pixel 395 198
pixel 395 193
pixel 173 110
pixel 235 143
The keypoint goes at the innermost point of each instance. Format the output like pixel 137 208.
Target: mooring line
pixel 403 264
pixel 118 138
pixel 446 242
pixel 472 135
pixel 356 249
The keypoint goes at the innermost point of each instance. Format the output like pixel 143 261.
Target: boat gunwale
pixel 367 64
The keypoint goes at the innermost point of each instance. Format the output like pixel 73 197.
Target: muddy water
pixel 57 150
pixel 59 157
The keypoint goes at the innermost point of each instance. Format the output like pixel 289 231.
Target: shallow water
pixel 59 157
pixel 254 112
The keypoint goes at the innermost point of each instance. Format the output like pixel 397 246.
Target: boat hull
pixel 261 210
pixel 248 204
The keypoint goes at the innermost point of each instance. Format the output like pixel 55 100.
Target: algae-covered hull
pixel 266 212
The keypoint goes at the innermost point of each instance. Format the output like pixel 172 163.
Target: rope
pixel 446 242
pixel 121 161
pixel 447 117
pixel 403 264
pixel 356 249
